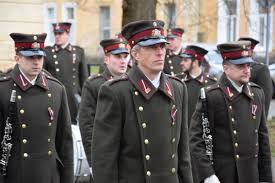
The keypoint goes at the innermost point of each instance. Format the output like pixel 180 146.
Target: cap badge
pixel 156 32
pixel 57 26
pixel 121 45
pixel 155 24
pixel 35 38
pixel 35 45
pixel 245 53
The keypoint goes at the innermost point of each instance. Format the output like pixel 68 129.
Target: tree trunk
pixel 134 10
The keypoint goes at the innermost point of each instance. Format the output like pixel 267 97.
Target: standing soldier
pixel 141 132
pixel 36 140
pixel 260 75
pixel 230 124
pixel 192 75
pixel 67 63
pixel 116 62
pixel 172 58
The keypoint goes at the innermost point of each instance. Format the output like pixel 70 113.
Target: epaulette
pixel 211 78
pixel 175 78
pixel 123 77
pixel 253 85
pixel 50 77
pixel 94 76
pixel 77 47
pixel 5 78
pixel 179 74
pixel 212 87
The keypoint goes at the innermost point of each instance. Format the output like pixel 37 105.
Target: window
pixel 228 20
pixel 258 25
pixel 170 14
pixel 105 31
pixel 49 19
pixel 69 15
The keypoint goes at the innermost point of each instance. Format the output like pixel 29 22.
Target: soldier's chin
pixel 244 81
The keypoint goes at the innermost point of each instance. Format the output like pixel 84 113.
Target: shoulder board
pixel 175 78
pixel 179 74
pixel 5 78
pixel 94 76
pixel 254 85
pixel 212 87
pixel 50 77
pixel 124 77
pixel 211 77
pixel 77 47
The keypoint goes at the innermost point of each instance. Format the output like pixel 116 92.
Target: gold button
pixel 257 144
pixel 74 69
pixel 146 141
pixel 19 97
pixel 236 144
pixel 173 140
pixel 206 81
pixel 74 76
pixel 24 126
pixel 173 156
pixel 25 155
pixel 22 111
pixel 57 69
pixel 49 95
pixel 172 73
pixel 53 50
pixel 140 108
pixel 74 83
pixel 56 62
pixel 232 119
pixel 54 56
pixel 49 153
pixel 148 173
pixel 256 155
pixel 169 61
pixel 171 67
pixel 237 156
pixel 254 117
pixel 256 131
pixel 50 124
pixel 136 93
pixel 230 107
pixel 173 123
pixel 147 157
pixel 49 140
pixel 144 125
pixel 235 132
pixel 24 141
pixel 173 170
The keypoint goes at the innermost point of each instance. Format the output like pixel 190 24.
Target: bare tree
pixel 134 10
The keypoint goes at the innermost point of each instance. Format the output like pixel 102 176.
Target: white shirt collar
pixel 177 51
pixel 65 45
pixel 156 81
pixel 32 81
pixel 238 88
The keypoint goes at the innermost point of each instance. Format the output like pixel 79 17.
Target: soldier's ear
pixel 16 58
pixel 106 59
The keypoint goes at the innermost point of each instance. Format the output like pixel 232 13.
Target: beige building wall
pixel 14 19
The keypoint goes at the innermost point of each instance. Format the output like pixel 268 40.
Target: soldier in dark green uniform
pixel 192 75
pixel 140 133
pixel 42 148
pixel 116 62
pixel 237 144
pixel 260 75
pixel 66 62
pixel 172 58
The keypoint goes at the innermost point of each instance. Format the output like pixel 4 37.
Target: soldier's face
pixel 30 66
pixel 150 59
pixel 174 43
pixel 240 74
pixel 117 64
pixel 61 38
pixel 186 64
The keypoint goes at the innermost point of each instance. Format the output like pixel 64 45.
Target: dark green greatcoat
pixel 140 133
pixel 172 63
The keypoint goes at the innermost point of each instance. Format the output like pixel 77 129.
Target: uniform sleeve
pixel 185 172
pixel 86 116
pixel 264 80
pixel 264 161
pixel 106 137
pixel 64 142
pixel 83 70
pixel 198 150
pixel 45 64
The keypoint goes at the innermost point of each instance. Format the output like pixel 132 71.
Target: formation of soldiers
pixel 152 116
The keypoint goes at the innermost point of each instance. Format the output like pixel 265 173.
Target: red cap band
pixel 32 45
pixel 147 33
pixel 194 54
pixel 237 54
pixel 114 47
pixel 176 33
